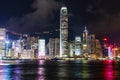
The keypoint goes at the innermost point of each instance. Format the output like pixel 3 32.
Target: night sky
pixel 102 17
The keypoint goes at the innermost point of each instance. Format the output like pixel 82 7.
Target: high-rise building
pixel 16 45
pixel 63 31
pixel 91 44
pixel 51 47
pixel 98 48
pixel 41 48
pixel 54 47
pixel 57 47
pixel 71 48
pixel 84 42
pixel 2 41
pixel 77 46
pixel 85 35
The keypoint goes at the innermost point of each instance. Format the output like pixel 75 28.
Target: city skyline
pixel 38 15
pixel 59 39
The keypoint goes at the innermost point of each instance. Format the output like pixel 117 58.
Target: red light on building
pixel 109 46
pixel 104 39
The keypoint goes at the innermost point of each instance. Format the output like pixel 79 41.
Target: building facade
pixel 2 41
pixel 57 47
pixel 91 44
pixel 63 31
pixel 54 47
pixel 77 46
pixel 41 48
pixel 51 47
pixel 85 41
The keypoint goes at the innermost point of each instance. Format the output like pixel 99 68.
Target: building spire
pixel 86 29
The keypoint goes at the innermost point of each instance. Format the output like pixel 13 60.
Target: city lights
pixel 82 47
pixel 105 39
pixel 60 39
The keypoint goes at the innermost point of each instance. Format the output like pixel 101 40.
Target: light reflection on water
pixel 60 70
pixel 41 70
pixel 108 72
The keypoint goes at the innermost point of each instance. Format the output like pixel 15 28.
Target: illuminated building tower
pixel 109 52
pixel 16 45
pixel 63 32
pixel 51 47
pixel 85 35
pixel 85 39
pixel 57 47
pixel 41 48
pixel 71 49
pixel 91 43
pixel 98 48
pixel 2 41
pixel 54 47
pixel 77 46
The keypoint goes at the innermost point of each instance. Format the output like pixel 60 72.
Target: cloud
pixel 109 24
pixel 43 13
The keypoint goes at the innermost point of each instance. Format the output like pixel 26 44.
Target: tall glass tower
pixel 85 35
pixel 85 40
pixel 63 31
pixel 2 41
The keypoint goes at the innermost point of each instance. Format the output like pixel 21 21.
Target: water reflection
pixel 41 70
pixel 16 73
pixel 108 70
pixel 51 70
pixel 73 70
pixel 5 72
pixel 60 70
pixel 63 70
pixel 22 71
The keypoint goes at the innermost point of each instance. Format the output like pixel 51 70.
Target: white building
pixel 85 41
pixel 63 32
pixel 17 48
pixel 2 41
pixel 78 46
pixel 41 48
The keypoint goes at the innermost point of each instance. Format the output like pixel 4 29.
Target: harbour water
pixel 60 70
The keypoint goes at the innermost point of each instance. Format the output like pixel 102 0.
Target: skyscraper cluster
pixel 33 47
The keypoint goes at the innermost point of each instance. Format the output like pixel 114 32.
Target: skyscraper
pixel 2 41
pixel 52 47
pixel 41 48
pixel 85 40
pixel 85 35
pixel 91 43
pixel 57 47
pixel 77 46
pixel 63 32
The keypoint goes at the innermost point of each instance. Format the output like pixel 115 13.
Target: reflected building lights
pixel 108 70
pixel 108 73
pixel 5 72
pixel 41 70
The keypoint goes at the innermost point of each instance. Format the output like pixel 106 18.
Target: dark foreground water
pixel 60 70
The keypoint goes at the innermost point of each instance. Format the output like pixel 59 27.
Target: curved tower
pixel 63 31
